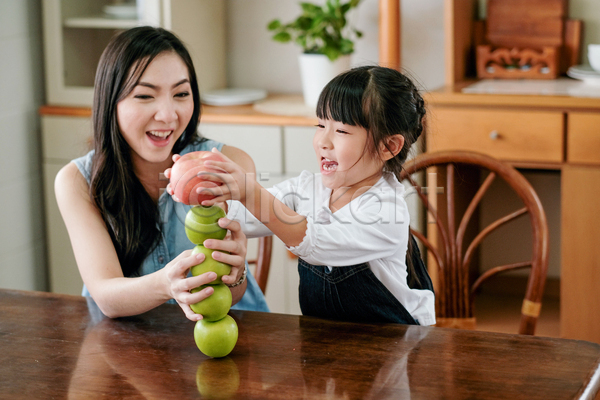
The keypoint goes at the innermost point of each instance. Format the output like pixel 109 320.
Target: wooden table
pixel 59 346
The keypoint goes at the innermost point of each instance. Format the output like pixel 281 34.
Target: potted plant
pixel 326 40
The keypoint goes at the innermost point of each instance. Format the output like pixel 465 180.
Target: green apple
pixel 216 339
pixel 216 306
pixel 201 224
pixel 218 379
pixel 210 264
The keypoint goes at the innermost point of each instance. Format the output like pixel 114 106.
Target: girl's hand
pixel 179 285
pixel 236 182
pixel 168 176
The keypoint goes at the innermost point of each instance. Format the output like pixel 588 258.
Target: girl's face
pixel 343 157
pixel 155 114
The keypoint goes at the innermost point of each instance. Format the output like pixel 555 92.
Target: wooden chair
pixel 262 262
pixel 453 244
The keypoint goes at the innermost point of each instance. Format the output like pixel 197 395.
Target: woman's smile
pixel 160 138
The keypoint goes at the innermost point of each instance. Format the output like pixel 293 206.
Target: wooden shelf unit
pixel 575 154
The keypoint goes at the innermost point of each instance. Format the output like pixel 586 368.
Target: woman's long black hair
pixel 130 214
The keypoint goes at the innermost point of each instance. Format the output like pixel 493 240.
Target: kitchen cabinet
pixel 77 31
pixel 539 132
pixel 63 139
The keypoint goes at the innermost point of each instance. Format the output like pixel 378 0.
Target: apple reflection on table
pixel 118 358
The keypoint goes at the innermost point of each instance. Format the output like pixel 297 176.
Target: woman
pixel 127 236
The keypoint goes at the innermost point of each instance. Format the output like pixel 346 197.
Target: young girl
pixel 349 225
pixel 127 236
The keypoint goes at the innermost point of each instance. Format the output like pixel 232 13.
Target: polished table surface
pixel 58 346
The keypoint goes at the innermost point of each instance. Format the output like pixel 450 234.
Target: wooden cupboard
pixel 559 133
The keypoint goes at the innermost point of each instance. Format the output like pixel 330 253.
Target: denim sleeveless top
pixel 173 240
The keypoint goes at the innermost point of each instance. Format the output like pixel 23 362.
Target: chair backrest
pixel 453 244
pixel 263 262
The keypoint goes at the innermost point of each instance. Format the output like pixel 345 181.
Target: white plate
pixel 232 97
pixel 584 70
pixel 584 73
pixel 122 11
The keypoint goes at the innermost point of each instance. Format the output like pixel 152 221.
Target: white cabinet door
pixel 63 274
pixel 282 285
pixel 262 143
pixel 299 152
pixel 63 139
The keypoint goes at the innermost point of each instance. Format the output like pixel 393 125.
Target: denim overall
pixel 354 294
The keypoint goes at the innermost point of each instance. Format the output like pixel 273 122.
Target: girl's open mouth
pixel 328 165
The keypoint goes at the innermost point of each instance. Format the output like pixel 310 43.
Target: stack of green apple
pixel 216 333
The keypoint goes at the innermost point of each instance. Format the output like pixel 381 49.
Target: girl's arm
pixel 285 223
pixel 371 227
pixel 99 265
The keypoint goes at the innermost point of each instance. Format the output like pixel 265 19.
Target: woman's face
pixel 155 114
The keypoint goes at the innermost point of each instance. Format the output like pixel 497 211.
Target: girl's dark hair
pixel 130 214
pixel 383 101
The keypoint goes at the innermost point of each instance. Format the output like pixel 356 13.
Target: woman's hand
pixel 177 270
pixel 179 285
pixel 168 176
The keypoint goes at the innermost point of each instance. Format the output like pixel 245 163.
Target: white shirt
pixel 372 228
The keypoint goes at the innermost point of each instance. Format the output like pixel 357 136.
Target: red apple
pixel 185 180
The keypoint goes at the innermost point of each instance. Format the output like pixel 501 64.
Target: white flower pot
pixel 316 70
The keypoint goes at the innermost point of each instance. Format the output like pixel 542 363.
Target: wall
pixel 589 12
pixel 22 264
pixel 254 60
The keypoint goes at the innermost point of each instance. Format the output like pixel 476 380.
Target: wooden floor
pixel 501 312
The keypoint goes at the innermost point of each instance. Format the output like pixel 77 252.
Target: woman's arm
pixel 99 265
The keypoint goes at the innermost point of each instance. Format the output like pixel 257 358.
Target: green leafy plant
pixel 320 30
